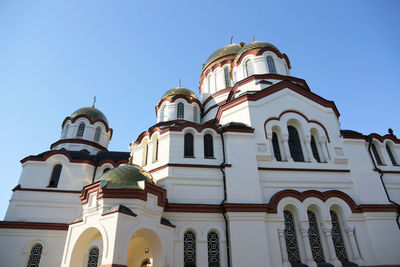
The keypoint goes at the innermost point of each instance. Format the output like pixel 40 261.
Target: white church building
pixel 254 172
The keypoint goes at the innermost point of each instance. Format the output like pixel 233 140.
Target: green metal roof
pixel 125 177
pixel 230 49
pixel 91 112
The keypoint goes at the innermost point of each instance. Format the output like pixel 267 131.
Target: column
pixel 331 248
pixel 282 243
pixel 354 247
pixel 323 143
pixel 307 142
pixel 307 248
pixel 285 141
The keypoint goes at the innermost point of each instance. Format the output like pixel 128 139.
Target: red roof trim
pixel 220 92
pixel 171 100
pixel 55 152
pixel 189 166
pixel 301 170
pixel 88 118
pixel 78 141
pixel 34 225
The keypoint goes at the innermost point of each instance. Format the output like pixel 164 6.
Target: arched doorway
pixel 145 249
pixel 91 239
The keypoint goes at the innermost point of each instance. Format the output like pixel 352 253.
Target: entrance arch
pixel 145 246
pixel 88 237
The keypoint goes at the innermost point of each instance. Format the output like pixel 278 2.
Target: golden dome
pixel 179 91
pixel 253 45
pixel 230 49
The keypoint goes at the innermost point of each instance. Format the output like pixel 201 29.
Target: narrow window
pixel 315 240
pixel 188 145
pixel 294 144
pixel 213 249
pixel 337 238
pixel 275 146
pixel 81 129
pixel 34 257
pixel 314 149
pixel 162 112
pixel 155 149
pixel 97 134
pixel 66 132
pixel 93 257
pixel 376 155
pixel 249 68
pixel 389 151
pixel 271 64
pixel 180 112
pixel 208 146
pixel 195 114
pixel 291 239
pixel 106 170
pixel 55 175
pixel 227 79
pixel 209 83
pixel 146 152
pixel 189 249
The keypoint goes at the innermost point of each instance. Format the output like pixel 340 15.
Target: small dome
pixel 253 45
pixel 128 176
pixel 230 49
pixel 91 112
pixel 179 91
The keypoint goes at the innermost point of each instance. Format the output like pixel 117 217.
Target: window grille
pixel 249 68
pixel 337 238
pixel 227 79
pixel 392 159
pixel 271 64
pixel 81 130
pixel 291 239
pixel 180 112
pixel 93 257
pixel 208 146
pixel 213 249
pixel 275 146
pixel 314 149
pixel 189 249
pixel 34 257
pixel 97 134
pixel 376 154
pixel 315 239
pixel 295 145
pixel 195 114
pixel 55 175
pixel 188 145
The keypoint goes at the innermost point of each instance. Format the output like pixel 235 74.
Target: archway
pixel 145 249
pixel 86 241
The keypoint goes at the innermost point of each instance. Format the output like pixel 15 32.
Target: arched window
pixel 291 239
pixel 271 64
pixel 227 79
pixel 55 175
pixel 34 257
pixel 162 114
pixel 376 155
pixel 314 149
pixel 275 146
pixel 93 257
pixel 180 112
pixel 195 114
pixel 337 238
pixel 106 170
pixel 188 145
pixel 209 83
pixel 155 149
pixel 391 156
pixel 249 68
pixel 81 129
pixel 97 134
pixel 315 240
pixel 66 131
pixel 189 249
pixel 294 144
pixel 145 154
pixel 213 249
pixel 208 146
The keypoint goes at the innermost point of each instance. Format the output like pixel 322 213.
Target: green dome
pixel 179 91
pixel 253 45
pixel 231 49
pixel 91 112
pixel 127 176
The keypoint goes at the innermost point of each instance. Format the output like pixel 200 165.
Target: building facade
pixel 255 172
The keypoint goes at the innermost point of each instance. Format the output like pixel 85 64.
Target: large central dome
pixel 230 49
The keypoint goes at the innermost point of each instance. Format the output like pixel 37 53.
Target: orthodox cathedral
pixel 254 172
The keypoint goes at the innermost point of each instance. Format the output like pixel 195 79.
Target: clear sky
pixel 56 55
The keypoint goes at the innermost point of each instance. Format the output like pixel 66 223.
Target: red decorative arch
pixel 88 118
pixel 172 99
pixel 299 113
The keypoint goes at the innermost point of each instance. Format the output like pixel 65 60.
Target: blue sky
pixel 56 55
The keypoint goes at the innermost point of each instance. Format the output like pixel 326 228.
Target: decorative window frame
pixel 392 147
